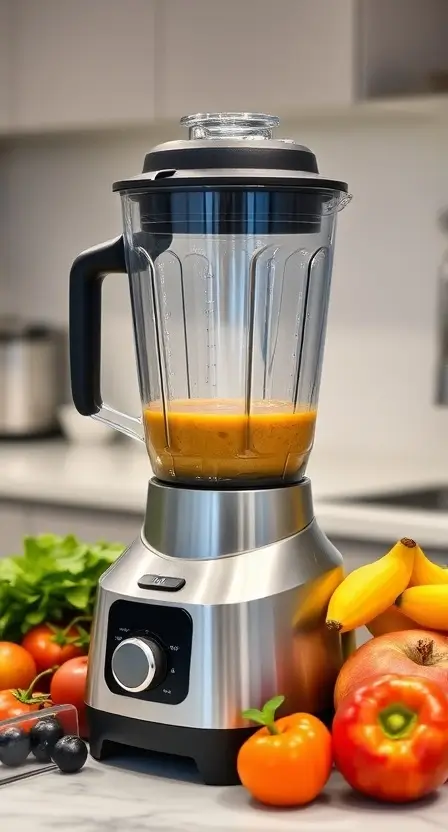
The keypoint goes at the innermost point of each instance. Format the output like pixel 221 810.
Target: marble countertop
pixel 114 477
pixel 140 794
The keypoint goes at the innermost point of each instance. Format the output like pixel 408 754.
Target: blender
pixel 220 603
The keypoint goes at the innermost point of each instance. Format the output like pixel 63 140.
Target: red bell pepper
pixel 390 738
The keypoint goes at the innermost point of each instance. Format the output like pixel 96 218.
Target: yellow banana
pixel 427 605
pixel 313 599
pixel 391 621
pixel 371 589
pixel 425 572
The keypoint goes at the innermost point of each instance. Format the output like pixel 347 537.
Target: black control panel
pixel 169 627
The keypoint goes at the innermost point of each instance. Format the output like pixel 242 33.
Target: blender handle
pixel 86 277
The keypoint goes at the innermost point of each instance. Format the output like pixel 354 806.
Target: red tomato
pixel 11 705
pixel 17 702
pixel 68 687
pixel 17 667
pixel 51 646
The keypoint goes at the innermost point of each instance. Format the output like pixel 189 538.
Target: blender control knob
pixel 138 664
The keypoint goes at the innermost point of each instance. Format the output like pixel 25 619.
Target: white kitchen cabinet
pixel 89 526
pixel 252 55
pixel 82 63
pixel 98 64
pixel 5 64
pixel 294 56
pixel 400 43
pixel 14 525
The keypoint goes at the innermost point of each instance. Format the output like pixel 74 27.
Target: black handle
pixel 86 277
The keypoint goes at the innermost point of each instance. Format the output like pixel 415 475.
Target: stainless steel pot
pixel 29 379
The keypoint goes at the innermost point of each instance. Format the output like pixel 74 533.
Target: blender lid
pixel 230 149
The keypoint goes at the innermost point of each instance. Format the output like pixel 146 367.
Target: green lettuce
pixel 54 580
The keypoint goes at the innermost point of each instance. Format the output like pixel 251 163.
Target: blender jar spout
pixel 337 203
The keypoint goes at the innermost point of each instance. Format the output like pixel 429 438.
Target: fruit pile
pixel 47 597
pixel 388 740
pixel 403 590
pixel 389 734
pixel 24 691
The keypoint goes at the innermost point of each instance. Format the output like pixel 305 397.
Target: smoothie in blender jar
pixel 217 439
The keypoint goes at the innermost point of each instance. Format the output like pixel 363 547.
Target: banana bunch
pixel 371 589
pixel 403 590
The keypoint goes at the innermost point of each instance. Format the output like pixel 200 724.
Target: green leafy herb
pixel 266 716
pixel 54 580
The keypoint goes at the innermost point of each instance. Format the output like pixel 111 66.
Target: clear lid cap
pixel 230 125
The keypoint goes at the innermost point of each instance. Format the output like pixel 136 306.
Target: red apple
pixel 410 652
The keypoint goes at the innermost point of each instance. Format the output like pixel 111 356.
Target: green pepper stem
pixel 397 721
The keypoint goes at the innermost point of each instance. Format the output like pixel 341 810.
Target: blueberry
pixel 43 737
pixel 69 754
pixel 14 746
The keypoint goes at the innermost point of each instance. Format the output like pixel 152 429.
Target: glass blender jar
pixel 228 244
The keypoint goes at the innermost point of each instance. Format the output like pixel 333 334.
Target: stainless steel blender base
pixel 223 633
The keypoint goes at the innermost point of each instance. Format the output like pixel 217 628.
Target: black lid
pixel 225 149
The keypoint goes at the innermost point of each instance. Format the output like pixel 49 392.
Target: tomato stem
pixel 77 620
pixel 265 716
pixel 28 693
pixel 272 728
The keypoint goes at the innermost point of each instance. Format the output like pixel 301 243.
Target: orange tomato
pixel 17 667
pixel 288 761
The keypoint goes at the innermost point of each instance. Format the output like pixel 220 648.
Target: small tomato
pixel 50 645
pixel 68 687
pixel 390 738
pixel 17 667
pixel 288 761
pixel 16 702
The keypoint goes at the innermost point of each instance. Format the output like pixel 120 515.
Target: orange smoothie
pixel 213 439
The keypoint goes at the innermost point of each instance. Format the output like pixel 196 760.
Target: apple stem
pixel 425 648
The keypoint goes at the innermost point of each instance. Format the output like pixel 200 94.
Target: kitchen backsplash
pixel 377 386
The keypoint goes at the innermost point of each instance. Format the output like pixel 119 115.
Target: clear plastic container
pixel 230 352
pixel 66 715
pixel 228 244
